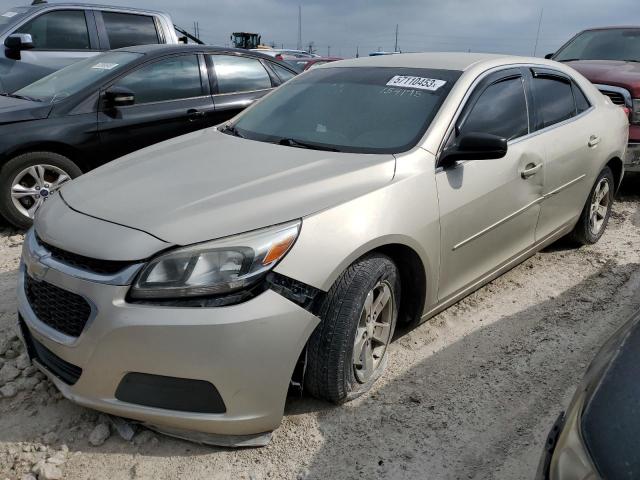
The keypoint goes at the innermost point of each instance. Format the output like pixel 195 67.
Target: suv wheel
pixel 28 180
pixel 347 351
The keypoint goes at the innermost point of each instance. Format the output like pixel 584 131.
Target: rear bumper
pixel 246 351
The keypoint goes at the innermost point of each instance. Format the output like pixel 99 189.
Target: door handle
pixel 530 170
pixel 593 141
pixel 195 114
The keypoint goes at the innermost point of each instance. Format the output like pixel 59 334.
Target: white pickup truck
pixel 41 38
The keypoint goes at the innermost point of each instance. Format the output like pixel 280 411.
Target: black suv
pixel 112 104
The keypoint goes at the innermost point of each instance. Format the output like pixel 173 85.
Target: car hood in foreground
pixel 14 110
pixel 207 185
pixel 611 72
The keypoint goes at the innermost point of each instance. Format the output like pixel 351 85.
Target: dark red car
pixel 610 58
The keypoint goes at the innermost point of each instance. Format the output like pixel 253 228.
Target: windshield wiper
pixel 569 60
pixel 634 61
pixel 290 142
pixel 229 129
pixel 21 97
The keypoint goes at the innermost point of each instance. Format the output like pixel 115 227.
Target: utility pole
pixel 299 27
pixel 328 50
pixel 396 47
pixel 357 51
pixel 311 48
pixel 535 48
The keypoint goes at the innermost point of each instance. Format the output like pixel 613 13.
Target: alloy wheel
pixel 373 333
pixel 600 203
pixel 34 185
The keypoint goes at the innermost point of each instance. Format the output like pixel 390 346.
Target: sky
pixel 343 27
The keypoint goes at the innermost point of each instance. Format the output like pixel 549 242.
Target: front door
pixel 489 208
pixel 171 98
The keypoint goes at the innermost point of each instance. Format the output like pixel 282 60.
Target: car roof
pixel 41 6
pixel 161 49
pixel 614 27
pixel 460 61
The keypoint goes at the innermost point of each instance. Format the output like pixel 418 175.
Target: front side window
pixel 500 110
pixel 239 74
pixel 350 109
pixel 58 30
pixel 171 79
pixel 554 100
pixel 125 29
pixel 621 44
pixel 78 76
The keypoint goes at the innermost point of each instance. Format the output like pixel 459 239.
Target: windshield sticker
pixel 420 83
pixel 105 66
pixel 9 14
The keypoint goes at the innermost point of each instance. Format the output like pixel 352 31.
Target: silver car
pixel 188 285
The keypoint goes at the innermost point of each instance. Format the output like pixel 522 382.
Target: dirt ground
pixel 470 394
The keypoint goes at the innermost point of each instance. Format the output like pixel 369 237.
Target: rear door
pixel 60 38
pixel 119 29
pixel 489 208
pixel 570 130
pixel 172 98
pixel 237 82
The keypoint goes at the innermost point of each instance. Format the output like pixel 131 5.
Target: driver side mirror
pixel 549 56
pixel 116 97
pixel 474 146
pixel 17 42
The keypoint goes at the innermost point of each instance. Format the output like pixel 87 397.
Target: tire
pixel 331 371
pixel 50 169
pixel 585 231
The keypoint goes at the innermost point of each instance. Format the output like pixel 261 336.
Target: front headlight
pixel 216 267
pixel 635 111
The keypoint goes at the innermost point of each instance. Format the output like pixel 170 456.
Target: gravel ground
pixel 469 394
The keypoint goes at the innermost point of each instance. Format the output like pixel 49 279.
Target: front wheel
pixel 28 180
pixel 347 351
pixel 597 211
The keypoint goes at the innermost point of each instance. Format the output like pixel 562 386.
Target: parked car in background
pixel 303 64
pixel 283 53
pixel 44 37
pixel 610 58
pixel 598 436
pixel 182 285
pixel 107 106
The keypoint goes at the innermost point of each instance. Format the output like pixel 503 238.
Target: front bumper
pixel 632 159
pixel 247 351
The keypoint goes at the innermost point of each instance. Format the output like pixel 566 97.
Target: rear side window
pixel 239 74
pixel 125 29
pixel 284 73
pixel 58 30
pixel 172 79
pixel 582 104
pixel 501 110
pixel 554 100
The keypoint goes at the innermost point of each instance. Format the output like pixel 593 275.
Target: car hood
pixel 611 72
pixel 207 185
pixel 14 110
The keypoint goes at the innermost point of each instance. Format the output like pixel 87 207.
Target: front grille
pixel 65 371
pixel 616 97
pixel 104 267
pixel 62 310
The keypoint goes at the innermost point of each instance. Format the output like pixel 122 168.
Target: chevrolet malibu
pixel 189 285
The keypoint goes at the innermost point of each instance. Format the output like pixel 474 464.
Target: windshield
pixel 11 16
pixel 616 44
pixel 362 109
pixel 72 79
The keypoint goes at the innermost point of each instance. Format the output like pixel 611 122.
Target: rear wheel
pixel 597 211
pixel 347 352
pixel 28 180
